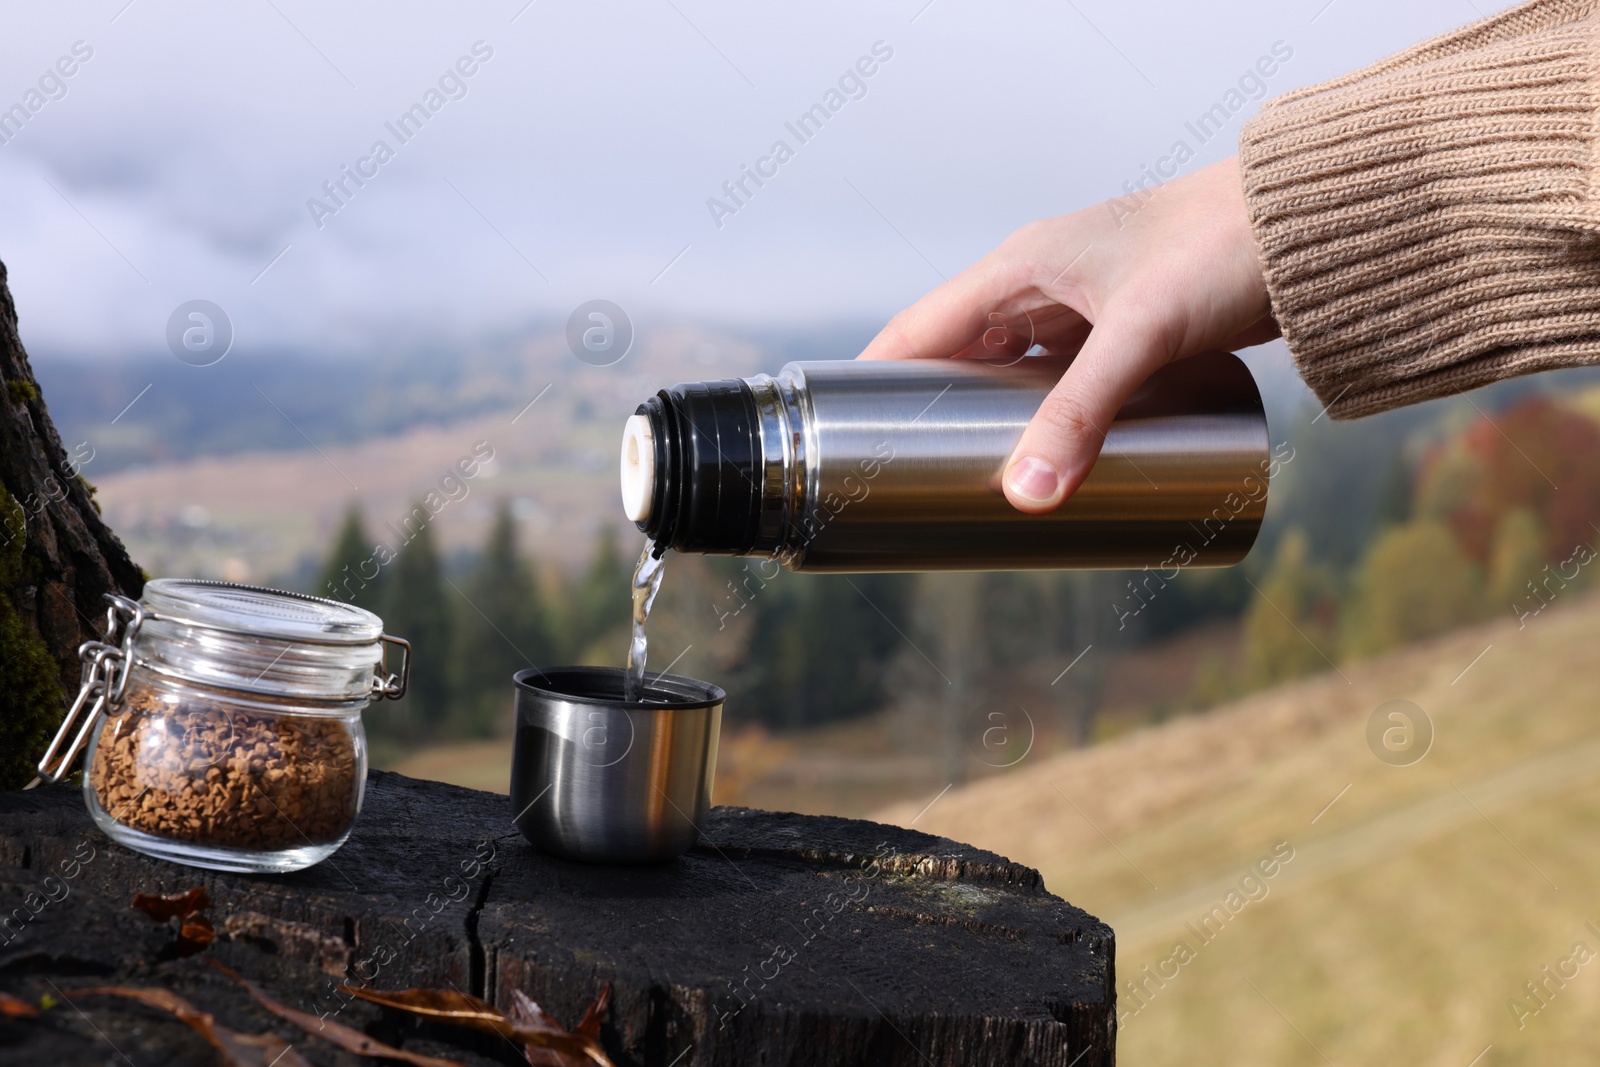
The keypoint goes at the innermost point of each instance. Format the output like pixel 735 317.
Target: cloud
pixel 578 160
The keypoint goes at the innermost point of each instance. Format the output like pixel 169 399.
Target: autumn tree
pixel 1537 455
pixel 1414 582
pixel 1289 627
pixel 1516 558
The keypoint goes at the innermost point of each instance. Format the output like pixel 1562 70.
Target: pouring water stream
pixel 646 584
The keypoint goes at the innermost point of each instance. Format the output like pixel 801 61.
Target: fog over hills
pixel 241 469
pixel 152 408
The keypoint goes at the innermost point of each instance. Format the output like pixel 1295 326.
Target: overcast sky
pixel 577 159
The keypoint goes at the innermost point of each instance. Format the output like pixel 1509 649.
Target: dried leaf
pixel 447 1005
pixel 164 906
pixel 335 1033
pixel 544 1042
pixel 255 1050
pixel 238 1050
pixel 15 1008
pixel 195 931
pixel 163 999
pixel 195 935
pixel 527 1014
pixel 590 1026
pixel 529 1017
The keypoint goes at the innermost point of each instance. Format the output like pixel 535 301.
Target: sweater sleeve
pixel 1432 223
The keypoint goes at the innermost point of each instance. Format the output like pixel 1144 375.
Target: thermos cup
pixel 595 777
pixel 857 465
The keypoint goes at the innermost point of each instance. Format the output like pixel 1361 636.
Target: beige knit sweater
pixel 1432 223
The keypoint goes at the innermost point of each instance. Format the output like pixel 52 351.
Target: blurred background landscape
pixel 1144 743
pixel 846 694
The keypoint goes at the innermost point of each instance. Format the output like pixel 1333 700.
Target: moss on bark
pixel 30 696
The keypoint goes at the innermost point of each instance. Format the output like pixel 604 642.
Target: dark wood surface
pixel 780 939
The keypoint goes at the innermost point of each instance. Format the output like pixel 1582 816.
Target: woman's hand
pixel 1128 285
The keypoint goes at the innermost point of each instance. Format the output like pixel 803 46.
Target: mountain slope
pixel 1418 899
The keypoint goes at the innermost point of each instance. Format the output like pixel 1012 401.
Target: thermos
pixel 857 465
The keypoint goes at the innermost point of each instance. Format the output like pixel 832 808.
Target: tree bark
pixel 58 559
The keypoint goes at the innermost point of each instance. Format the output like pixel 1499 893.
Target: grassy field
pixel 1407 905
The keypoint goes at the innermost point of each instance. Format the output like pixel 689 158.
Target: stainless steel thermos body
pixel 896 465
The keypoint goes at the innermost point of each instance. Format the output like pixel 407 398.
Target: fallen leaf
pixel 238 1050
pixel 194 935
pixel 164 906
pixel 164 999
pixel 590 1026
pixel 588 1031
pixel 525 1012
pixel 335 1033
pixel 195 931
pixel 544 1041
pixel 15 1008
pixel 255 1050
pixel 448 1005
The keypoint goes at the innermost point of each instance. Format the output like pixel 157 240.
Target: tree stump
pixel 780 939
pixel 57 560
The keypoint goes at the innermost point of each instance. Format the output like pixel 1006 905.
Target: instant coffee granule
pixel 212 776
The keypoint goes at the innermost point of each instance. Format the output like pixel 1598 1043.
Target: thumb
pixel 1062 442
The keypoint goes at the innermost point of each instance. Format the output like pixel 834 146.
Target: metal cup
pixel 595 778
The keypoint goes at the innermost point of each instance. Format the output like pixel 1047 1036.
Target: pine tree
pixel 351 573
pixel 819 646
pixel 417 609
pixel 600 604
pixel 503 629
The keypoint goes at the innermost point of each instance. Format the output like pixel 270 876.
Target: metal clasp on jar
pixel 386 686
pixel 102 685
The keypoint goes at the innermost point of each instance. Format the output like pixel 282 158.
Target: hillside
pixel 1418 899
pixel 144 408
pixel 262 515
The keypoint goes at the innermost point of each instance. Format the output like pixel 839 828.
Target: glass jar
pixel 224 728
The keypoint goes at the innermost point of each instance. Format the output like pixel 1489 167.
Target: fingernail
pixel 1033 479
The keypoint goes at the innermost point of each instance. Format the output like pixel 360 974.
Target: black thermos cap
pixel 708 468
